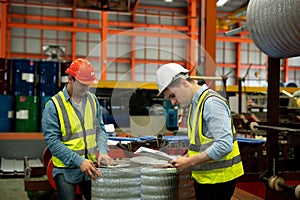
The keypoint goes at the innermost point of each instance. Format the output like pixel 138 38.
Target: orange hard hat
pixel 83 71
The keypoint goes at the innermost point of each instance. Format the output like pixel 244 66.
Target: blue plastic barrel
pixel 48 78
pixel 23 77
pixel 5 71
pixel 6 113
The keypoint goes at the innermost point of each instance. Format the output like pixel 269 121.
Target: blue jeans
pixel 67 191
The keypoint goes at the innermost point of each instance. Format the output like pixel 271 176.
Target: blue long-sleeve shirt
pixel 52 135
pixel 216 124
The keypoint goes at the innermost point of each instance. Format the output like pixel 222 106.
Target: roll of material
pixel 274 26
pixel 117 183
pixel 158 183
pixel 135 183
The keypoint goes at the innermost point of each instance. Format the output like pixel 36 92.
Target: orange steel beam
pixel 192 11
pixel 8 49
pixel 133 59
pixel 104 36
pixel 60 7
pixel 210 36
pixel 73 45
pixel 227 65
pixel 135 5
pixel 147 7
pixel 286 70
pixel 83 21
pixel 92 30
pixel 150 34
pixel 62 19
pixel 133 41
pixel 234 39
pixel 238 61
pixel 52 27
pixel 3 29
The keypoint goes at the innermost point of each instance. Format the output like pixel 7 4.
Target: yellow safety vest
pixel 77 135
pixel 230 167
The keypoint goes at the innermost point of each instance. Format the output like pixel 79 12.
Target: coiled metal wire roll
pixel 274 26
pixel 117 183
pixel 159 183
pixel 136 183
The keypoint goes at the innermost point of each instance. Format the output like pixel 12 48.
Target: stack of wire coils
pixel 159 183
pixel 135 183
pixel 117 183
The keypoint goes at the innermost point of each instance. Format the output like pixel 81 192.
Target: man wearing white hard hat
pixel 213 153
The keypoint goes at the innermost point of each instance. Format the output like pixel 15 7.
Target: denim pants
pixel 67 191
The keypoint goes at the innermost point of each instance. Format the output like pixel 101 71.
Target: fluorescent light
pixel 221 2
pixel 168 0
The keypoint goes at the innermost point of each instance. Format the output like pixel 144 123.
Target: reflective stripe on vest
pixel 229 167
pixel 78 134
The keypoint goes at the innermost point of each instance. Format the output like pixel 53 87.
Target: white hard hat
pixel 168 73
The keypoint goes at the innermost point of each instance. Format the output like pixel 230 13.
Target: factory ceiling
pixel 228 15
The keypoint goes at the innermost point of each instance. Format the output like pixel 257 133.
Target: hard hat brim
pixel 184 76
pixel 87 82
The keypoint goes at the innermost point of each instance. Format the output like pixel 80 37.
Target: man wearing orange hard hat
pixel 74 132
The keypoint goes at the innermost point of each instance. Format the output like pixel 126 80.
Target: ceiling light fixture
pixel 168 0
pixel 221 2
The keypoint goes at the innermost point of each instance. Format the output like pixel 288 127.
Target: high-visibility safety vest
pixel 78 133
pixel 230 167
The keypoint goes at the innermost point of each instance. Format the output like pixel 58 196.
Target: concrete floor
pixel 12 189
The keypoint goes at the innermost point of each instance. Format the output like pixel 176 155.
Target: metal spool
pixel 117 183
pixel 159 183
pixel 274 26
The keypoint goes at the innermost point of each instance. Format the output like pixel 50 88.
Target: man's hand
pixel 87 167
pixel 181 163
pixel 108 160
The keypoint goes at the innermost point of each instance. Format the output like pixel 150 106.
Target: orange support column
pixel 286 71
pixel 104 34
pixel 74 33
pixel 238 59
pixel 133 41
pixel 207 21
pixel 3 29
pixel 191 54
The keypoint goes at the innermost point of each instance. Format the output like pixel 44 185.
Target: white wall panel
pixel 295 61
